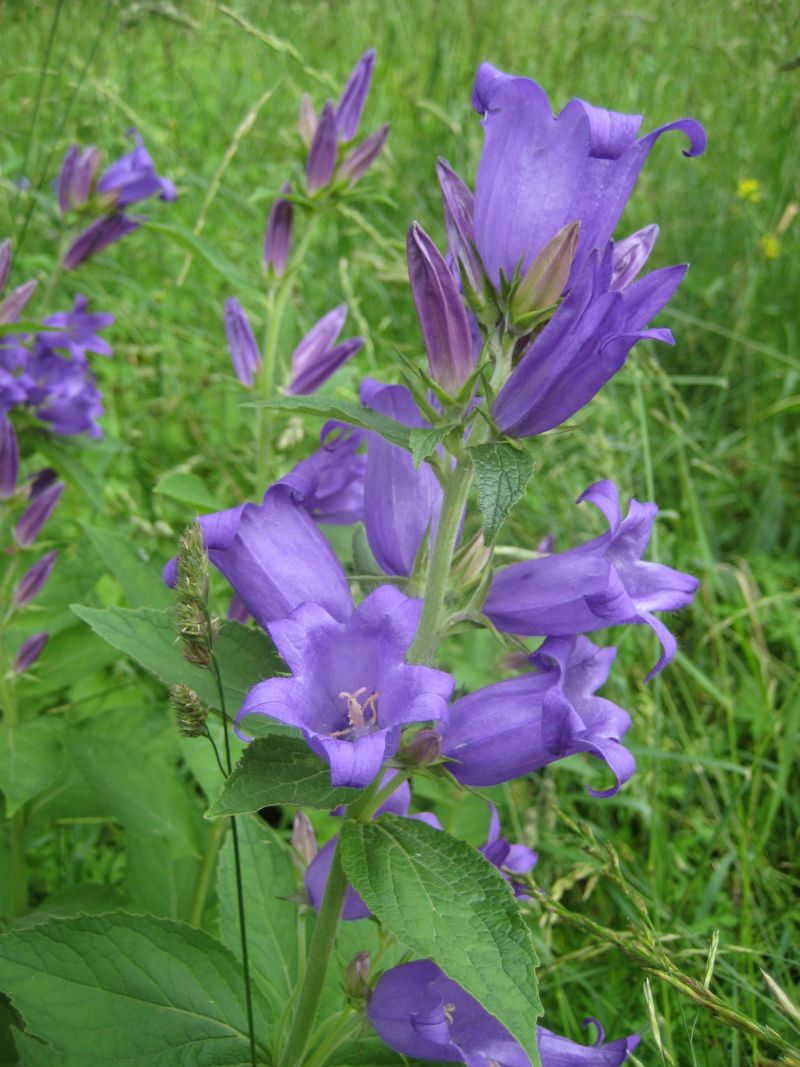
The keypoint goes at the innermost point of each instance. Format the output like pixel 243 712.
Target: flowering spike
pixel 441 312
pixel 358 162
pixel 322 153
pixel 33 580
pixel 241 342
pixel 354 97
pixel 546 278
pixel 278 235
pixel 195 628
pixel 190 712
pixel 36 515
pixel 29 651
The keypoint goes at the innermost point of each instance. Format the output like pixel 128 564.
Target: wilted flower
pixel 420 1012
pixel 242 344
pixel 278 235
pixel 351 691
pixel 316 358
pixel 600 583
pixel 520 725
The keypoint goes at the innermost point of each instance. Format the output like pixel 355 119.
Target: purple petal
pixel 16 301
pixel 328 362
pixel 316 880
pixel 29 651
pixel 358 162
pixel 5 262
pixel 98 236
pixel 133 178
pixel 311 359
pixel 242 344
pixel 354 96
pixel 278 235
pixel 322 154
pixel 34 579
pixel 631 254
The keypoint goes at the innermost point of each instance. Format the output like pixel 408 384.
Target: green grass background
pixel 708 829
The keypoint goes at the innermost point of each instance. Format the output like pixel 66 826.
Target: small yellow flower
pixel 770 246
pixel 749 189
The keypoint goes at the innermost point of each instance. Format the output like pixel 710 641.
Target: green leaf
pixel 268 881
pixel 328 407
pixel 189 489
pixel 501 474
pixel 278 770
pixel 140 580
pixel 425 442
pixel 31 756
pixel 128 988
pixel 449 904
pixel 210 255
pixel 370 1051
pixel 148 636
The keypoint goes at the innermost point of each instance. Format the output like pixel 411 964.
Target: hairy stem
pixel 456 491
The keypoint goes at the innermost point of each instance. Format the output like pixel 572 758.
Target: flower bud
pixel 356 978
pixel 13 305
pixel 190 712
pixel 316 358
pixel 423 748
pixel 472 562
pixel 9 459
pixel 304 842
pixel 242 344
pixel 441 312
pixel 29 651
pixel 361 158
pixel 354 97
pixel 321 160
pixel 630 255
pixel 34 517
pixel 307 121
pixel 278 236
pixel 546 278
pixel 76 177
pixel 99 235
pixel 458 205
pixel 34 579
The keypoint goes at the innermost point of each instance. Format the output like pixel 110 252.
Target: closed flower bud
pixel 278 236
pixel 471 563
pixel 76 177
pixel 630 255
pixel 5 262
pixel 356 978
pixel 307 121
pixel 361 158
pixel 546 279
pixel 242 344
pixel 322 153
pixel 29 652
pixel 34 579
pixel 423 748
pixel 9 459
pixel 458 205
pixel 304 842
pixel 190 712
pixel 36 515
pixel 354 97
pixel 14 304
pixel 99 235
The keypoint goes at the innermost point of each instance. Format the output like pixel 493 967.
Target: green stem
pixel 201 886
pixel 338 1033
pixel 326 926
pixel 456 491
pixel 18 821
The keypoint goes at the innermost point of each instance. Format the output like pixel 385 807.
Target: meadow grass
pixel 707 831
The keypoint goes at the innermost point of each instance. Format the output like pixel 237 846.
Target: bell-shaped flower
pixel 441 312
pixel 583 345
pixel 74 186
pixel 63 392
pixel 321 161
pixel 351 691
pixel 319 869
pixel 540 171
pixel 242 345
pixel 517 726
pixel 274 557
pixel 600 583
pixel 330 483
pixel 404 502
pixel 133 178
pixel 317 357
pixel 278 234
pixel 76 330
pixel 421 1013
pixel 354 97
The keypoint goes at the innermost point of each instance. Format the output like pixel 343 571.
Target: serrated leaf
pixel 268 882
pixel 440 897
pixel 148 636
pixel 31 756
pixel 278 770
pixel 327 407
pixel 121 988
pixel 425 442
pixel 501 475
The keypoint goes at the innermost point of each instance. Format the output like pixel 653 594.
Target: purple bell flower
pixel 509 859
pixel 357 163
pixel 36 515
pixel 316 358
pixel 316 877
pixel 274 557
pixel 441 312
pixel 351 691
pixel 600 583
pixel 133 178
pixel 99 235
pixel 278 235
pixel 63 392
pixel 9 457
pixel 582 346
pixel 29 651
pixel 33 580
pixel 245 356
pixel 76 330
pixel 520 725
pixel 539 172
pixel 321 161
pixel 329 485
pixel 404 503
pixel 420 1012
pixel 354 97
pixel 76 177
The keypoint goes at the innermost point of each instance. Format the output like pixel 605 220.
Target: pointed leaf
pixel 501 474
